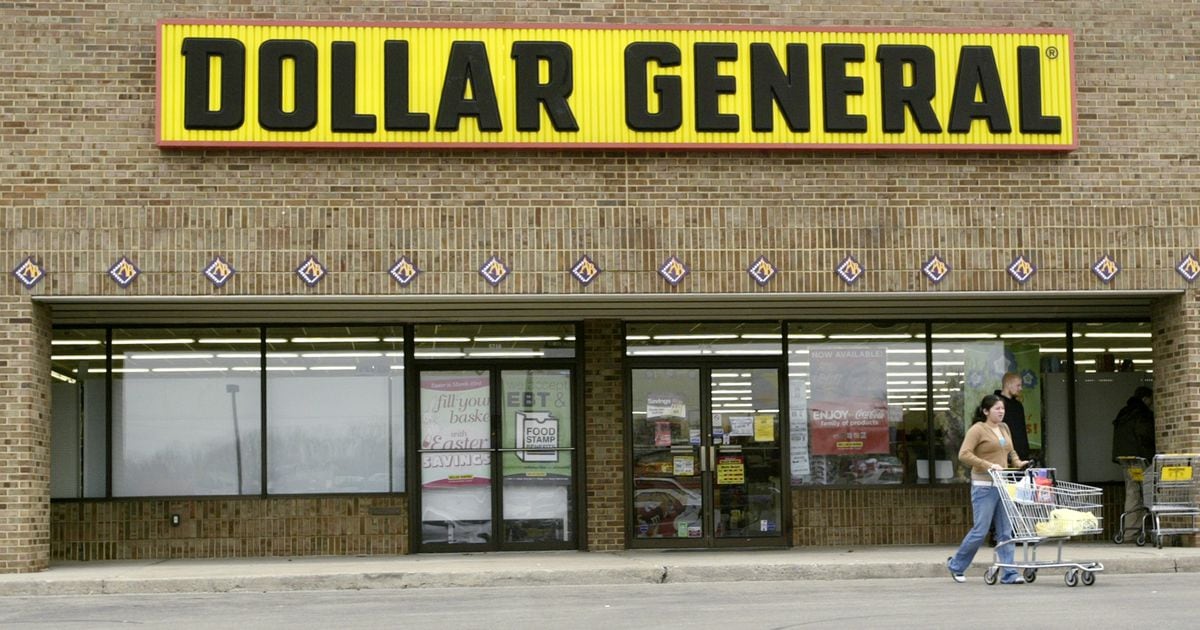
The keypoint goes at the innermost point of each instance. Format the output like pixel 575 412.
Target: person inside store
pixel 987 445
pixel 1133 436
pixel 1014 412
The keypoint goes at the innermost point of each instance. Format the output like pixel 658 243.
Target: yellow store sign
pixel 327 85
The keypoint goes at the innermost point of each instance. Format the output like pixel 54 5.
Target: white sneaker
pixel 957 575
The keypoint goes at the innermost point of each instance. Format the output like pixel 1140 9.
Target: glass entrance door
pixel 479 426
pixel 706 454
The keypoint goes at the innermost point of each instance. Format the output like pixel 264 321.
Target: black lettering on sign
pixel 200 52
pixel 770 84
pixel 710 86
pixel 531 93
pixel 468 66
pixel 343 116
pixel 1029 73
pixel 271 55
pixel 917 97
pixel 396 115
pixel 668 88
pixel 838 86
pixel 977 71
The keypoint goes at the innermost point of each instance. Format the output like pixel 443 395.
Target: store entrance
pixel 707 457
pixel 496 460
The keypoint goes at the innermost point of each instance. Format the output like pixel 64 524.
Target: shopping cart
pixel 1044 510
pixel 1135 470
pixel 1174 491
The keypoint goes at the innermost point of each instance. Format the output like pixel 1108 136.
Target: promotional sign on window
pixel 848 412
pixel 456 418
pixel 537 417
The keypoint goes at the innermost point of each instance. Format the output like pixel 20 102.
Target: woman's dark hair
pixel 988 402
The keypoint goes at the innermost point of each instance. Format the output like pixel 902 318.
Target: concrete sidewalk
pixel 558 567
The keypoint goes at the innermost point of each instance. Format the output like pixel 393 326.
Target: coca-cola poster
pixel 847 411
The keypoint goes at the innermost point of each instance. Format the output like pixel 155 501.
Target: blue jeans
pixel 988 513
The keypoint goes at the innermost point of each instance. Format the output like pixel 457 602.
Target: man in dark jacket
pixel 1014 412
pixel 1133 436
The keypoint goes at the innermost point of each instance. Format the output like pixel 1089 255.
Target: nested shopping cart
pixel 1134 469
pixel 1173 488
pixel 1044 510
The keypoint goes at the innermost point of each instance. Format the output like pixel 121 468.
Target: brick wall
pixel 24 433
pixel 938 515
pixel 605 434
pixel 228 528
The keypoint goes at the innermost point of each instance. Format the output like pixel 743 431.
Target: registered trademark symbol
pixel 1052 53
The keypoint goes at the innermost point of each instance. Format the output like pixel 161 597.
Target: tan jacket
pixel 981 448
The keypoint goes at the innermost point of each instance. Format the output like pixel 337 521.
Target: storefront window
pixel 78 452
pixel 335 410
pixel 971 360
pixel 494 341
pixel 858 403
pixel 186 412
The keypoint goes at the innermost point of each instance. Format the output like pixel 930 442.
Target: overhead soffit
pixel 1022 306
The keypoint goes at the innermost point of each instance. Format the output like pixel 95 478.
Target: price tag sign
pixel 1177 473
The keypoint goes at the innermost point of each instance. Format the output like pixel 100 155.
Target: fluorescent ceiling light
pixel 964 335
pixel 238 355
pixel 119 370
pixel 75 342
pixel 730 375
pixel 518 338
pixel 239 340
pixel 665 351
pixel 1060 350
pixel 874 337
pixel 163 356
pixel 749 351
pixel 771 336
pixel 191 369
pixel 505 353
pixel 1119 335
pixel 1038 335
pixel 442 340
pixel 77 357
pixel 331 368
pixel 393 339
pixel 1131 349
pixel 62 377
pixel 339 355
pixel 637 337
pixel 151 342
pixel 732 391
pixel 335 339
pixel 731 384
pixel 438 355
pixel 693 337
pixel 805 336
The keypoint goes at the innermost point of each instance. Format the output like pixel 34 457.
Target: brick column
pixel 1176 323
pixel 604 461
pixel 24 435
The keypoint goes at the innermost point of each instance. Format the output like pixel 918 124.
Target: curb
pixel 648 574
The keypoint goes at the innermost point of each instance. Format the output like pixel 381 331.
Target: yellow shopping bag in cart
pixel 1066 522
